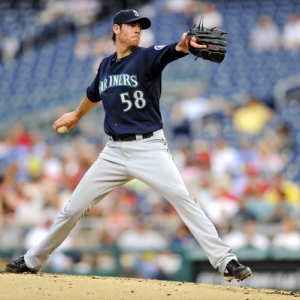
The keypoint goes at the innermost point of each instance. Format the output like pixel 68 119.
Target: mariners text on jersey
pixel 118 80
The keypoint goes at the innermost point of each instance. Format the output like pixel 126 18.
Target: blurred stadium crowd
pixel 238 155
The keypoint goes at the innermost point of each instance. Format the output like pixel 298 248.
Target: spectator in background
pixel 284 138
pixel 37 152
pixel 193 106
pixel 211 16
pixel 62 17
pixel 253 238
pixel 245 169
pixel 141 237
pixel 16 151
pixel 269 162
pixel 249 237
pixel 9 48
pixel 233 236
pixel 181 125
pixel 247 151
pixel 257 207
pixel 183 238
pixel 52 167
pixel 84 48
pixel 205 193
pixel 140 245
pixel 252 118
pixel 223 206
pixel 284 195
pixel 202 151
pixel 177 6
pixel 265 36
pixel 53 10
pixel 83 12
pixel 254 183
pixel 223 159
pixel 290 38
pixel 187 112
pixel 102 48
pixel 289 237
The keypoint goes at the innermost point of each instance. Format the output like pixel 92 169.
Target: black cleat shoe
pixel 235 270
pixel 18 266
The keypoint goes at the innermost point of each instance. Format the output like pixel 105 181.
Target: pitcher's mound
pixel 57 286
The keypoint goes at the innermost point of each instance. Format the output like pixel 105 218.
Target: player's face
pixel 130 34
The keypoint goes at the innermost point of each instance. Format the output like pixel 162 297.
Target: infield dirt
pixel 57 286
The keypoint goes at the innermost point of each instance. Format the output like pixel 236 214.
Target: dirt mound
pixel 58 286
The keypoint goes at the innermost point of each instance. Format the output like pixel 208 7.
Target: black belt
pixel 131 137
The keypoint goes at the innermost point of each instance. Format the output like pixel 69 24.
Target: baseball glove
pixel 213 38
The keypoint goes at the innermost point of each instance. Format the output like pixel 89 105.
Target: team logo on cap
pixel 135 13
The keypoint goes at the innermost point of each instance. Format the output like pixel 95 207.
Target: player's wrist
pixel 77 114
pixel 180 47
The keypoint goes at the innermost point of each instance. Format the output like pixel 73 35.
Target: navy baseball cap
pixel 130 16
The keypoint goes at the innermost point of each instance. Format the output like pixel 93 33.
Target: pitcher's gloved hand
pixel 213 38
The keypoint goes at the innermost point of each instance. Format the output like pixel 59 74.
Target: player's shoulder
pixel 153 48
pixel 152 51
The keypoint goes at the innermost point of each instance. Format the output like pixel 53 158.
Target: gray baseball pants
pixel 149 161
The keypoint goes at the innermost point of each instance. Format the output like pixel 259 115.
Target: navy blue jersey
pixel 130 89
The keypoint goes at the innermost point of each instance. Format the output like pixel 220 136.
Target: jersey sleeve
pixel 160 56
pixel 92 91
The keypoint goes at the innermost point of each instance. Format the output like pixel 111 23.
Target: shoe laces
pixel 20 261
pixel 234 263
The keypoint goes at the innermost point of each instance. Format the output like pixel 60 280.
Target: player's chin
pixel 135 42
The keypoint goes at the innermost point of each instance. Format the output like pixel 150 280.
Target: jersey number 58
pixel 138 100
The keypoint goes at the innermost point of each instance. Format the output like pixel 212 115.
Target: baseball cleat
pixel 235 270
pixel 17 266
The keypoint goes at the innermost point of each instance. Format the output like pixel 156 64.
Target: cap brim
pixel 145 22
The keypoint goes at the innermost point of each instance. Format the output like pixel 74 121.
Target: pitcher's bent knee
pixel 182 197
pixel 73 214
